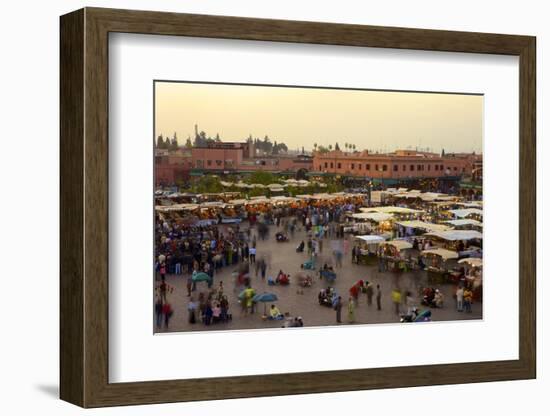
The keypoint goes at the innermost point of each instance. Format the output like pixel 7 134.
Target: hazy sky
pixel 376 120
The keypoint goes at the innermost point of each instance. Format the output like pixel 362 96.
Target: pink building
pixel 397 165
pixel 172 166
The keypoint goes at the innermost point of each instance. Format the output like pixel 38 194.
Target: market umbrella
pixel 200 277
pixel 472 261
pixel 264 298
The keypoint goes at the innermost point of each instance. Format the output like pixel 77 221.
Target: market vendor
pixel 275 313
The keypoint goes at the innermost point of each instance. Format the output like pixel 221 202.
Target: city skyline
pixel 375 120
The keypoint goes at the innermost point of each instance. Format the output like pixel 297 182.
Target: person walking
pixel 378 298
pixel 396 299
pixel 189 284
pixel 252 254
pixel 338 309
pixel 158 311
pixel 351 310
pixel 468 295
pixel 192 309
pixel 167 311
pixel 263 268
pixel 460 299
pixel 370 293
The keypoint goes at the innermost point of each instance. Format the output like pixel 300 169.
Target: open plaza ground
pixel 296 301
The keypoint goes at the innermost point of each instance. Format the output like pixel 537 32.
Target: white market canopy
pixel 456 235
pixel 400 244
pixel 372 216
pixel 471 204
pixel 433 196
pixel 176 207
pixel 441 252
pixel 462 213
pixel 472 261
pixel 238 201
pixel 260 200
pixel 242 185
pixel 370 239
pixel 321 197
pixel 282 199
pixel 458 223
pixel 392 210
pixel 212 204
pixel 427 226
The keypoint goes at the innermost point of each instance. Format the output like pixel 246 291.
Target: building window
pixel 404 168
pixel 384 168
pixel 352 166
pixel 412 168
pixel 418 167
pixel 376 168
pixel 331 165
pixel 320 168
pixel 455 168
pixel 359 164
pixel 429 167
pixel 436 167
pixel 367 166
pixel 440 167
pixel 218 162
pixel 326 165
pixel 395 168
pixel 339 165
pixel 209 163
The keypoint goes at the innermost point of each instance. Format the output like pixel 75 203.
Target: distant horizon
pixel 181 143
pixel 378 121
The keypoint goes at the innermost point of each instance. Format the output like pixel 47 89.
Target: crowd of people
pixel 184 249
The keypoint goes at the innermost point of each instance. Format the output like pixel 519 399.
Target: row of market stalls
pixel 447 255
pixel 274 187
pixel 407 229
pixel 227 210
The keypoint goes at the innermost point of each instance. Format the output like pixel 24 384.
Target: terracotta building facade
pixel 400 164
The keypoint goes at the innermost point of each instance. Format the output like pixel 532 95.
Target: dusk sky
pixel 375 120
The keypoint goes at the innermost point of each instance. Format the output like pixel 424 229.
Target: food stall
pixel 393 252
pixel 466 242
pixel 417 228
pixel 471 213
pixel 233 212
pixel 438 263
pixel 465 224
pixel 399 213
pixel 474 275
pixel 376 222
pixel 367 247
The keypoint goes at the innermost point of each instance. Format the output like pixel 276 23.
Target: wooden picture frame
pixel 84 207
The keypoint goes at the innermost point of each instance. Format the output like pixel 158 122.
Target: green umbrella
pixel 200 277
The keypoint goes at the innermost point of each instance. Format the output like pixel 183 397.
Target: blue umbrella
pixel 200 277
pixel 265 297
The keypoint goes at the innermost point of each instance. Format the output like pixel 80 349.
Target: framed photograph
pixel 256 207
